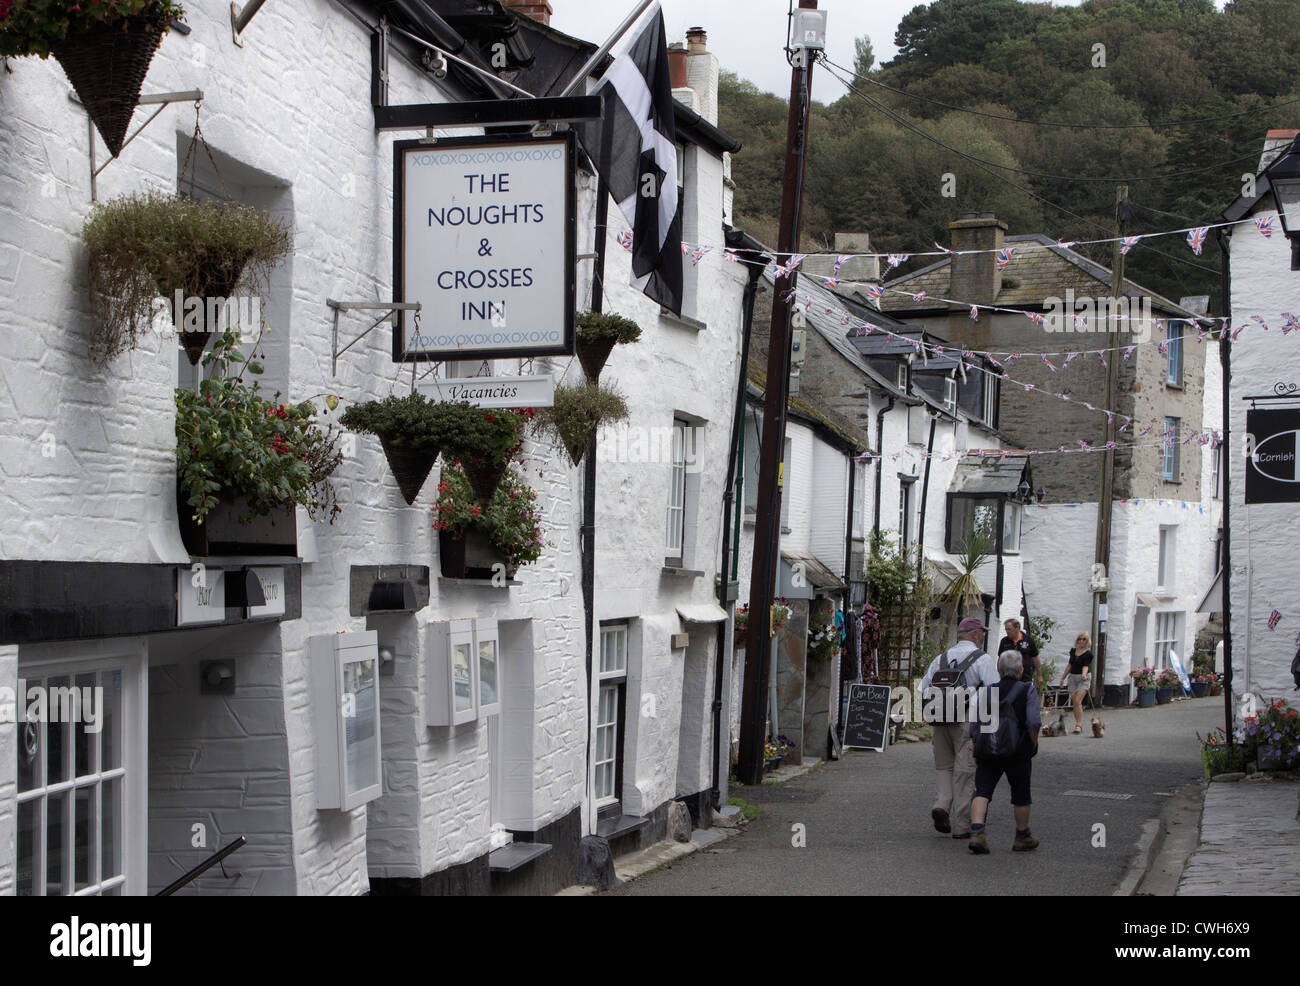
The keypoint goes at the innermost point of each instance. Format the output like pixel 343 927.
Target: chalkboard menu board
pixel 868 717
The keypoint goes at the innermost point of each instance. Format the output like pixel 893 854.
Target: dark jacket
pixel 1024 706
pixel 1028 651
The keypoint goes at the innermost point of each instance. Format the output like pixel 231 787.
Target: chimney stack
pixel 538 10
pixel 975 277
pixel 702 72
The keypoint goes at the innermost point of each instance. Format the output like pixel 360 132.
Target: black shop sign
pixel 1273 468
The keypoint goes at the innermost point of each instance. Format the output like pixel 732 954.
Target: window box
pixel 470 556
pixel 345 690
pixel 464 672
pixel 221 532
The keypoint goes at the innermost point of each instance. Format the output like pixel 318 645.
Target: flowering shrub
pixel 1144 678
pixel 742 618
pixel 511 521
pixel 777 747
pixel 1169 679
pixel 33 27
pixel 230 438
pixel 780 615
pixel 1207 678
pixel 1275 734
pixel 823 635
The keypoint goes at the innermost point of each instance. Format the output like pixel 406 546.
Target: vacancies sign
pixel 483 239
pixel 1273 468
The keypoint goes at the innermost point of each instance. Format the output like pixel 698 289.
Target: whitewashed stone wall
pixel 1264 535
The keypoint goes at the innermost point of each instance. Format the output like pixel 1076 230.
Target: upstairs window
pixel 1174 355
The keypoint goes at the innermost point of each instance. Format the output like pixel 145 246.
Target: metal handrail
pixel 198 871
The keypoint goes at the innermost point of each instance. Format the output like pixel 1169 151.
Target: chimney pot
pixel 697 40
pixel 677 65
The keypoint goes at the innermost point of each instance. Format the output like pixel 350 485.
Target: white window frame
pixel 1174 355
pixel 611 678
pixel 1169 465
pixel 990 399
pixel 1216 467
pixel 950 393
pixel 902 375
pixel 904 511
pixel 101 658
pixel 787 454
pixel 441 709
pixel 1167 627
pixel 859 527
pixel 1167 556
pixel 675 532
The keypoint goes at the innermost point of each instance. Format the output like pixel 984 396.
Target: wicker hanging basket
pixel 410 466
pixel 107 69
pixel 484 477
pixel 194 343
pixel 592 355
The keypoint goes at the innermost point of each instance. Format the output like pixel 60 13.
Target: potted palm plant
pixel 194 254
pixel 482 440
pixel 243 463
pixel 964 590
pixel 410 430
pixel 105 48
pixel 578 413
pixel 598 334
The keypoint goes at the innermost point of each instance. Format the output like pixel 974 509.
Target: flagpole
pixel 603 50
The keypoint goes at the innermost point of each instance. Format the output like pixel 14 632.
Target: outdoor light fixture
pixel 1039 494
pixel 217 678
pixel 1022 492
pixel 1284 181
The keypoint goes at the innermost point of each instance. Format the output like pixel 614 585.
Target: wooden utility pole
pixel 1106 495
pixel 767 531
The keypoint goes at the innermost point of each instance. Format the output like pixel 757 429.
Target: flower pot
pixel 484 477
pixel 410 466
pixel 222 533
pixel 451 554
pixel 773 763
pixel 592 355
pixel 1200 689
pixel 107 68
pixel 1146 699
pixel 1216 689
pixel 1164 696
pixel 1267 762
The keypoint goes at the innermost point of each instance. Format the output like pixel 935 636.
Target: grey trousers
pixel 954 765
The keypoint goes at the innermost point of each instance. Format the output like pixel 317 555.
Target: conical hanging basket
pixel 195 342
pixel 107 69
pixel 577 447
pixel 484 477
pixel 592 355
pixel 410 466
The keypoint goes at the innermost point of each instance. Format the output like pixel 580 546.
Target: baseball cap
pixel 971 623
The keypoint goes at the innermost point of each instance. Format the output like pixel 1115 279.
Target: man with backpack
pixel 1005 746
pixel 945 686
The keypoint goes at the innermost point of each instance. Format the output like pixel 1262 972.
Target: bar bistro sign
pixel 483 239
pixel 1273 468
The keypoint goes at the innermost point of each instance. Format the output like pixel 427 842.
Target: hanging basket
pixel 107 68
pixel 484 477
pixel 194 343
pixel 451 554
pixel 410 466
pixel 592 355
pixel 224 531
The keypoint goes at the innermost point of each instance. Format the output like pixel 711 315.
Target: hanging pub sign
pixel 1273 437
pixel 483 239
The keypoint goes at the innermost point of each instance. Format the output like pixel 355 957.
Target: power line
pixel 981 164
pixel 1160 125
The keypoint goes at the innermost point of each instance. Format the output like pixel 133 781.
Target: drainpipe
pixel 848 528
pixel 880 460
pixel 730 498
pixel 1225 357
pixel 925 494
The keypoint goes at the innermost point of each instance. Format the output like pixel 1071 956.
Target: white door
pixel 82 770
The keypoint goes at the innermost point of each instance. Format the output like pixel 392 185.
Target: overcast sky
pixel 748 35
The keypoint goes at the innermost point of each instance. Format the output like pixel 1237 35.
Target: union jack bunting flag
pixel 1237 331
pixel 937 350
pixel 1265 225
pixel 1112 445
pixel 894 259
pixel 831 282
pixel 1290 323
pixel 1196 238
pixel 1029 386
pixel 1273 619
pixel 1082 444
pixel 698 254
pixel 1034 317
pixel 942 249
pixel 1050 365
pixel 974 313
pixel 685 249
pixel 1004 258
pixel 919 296
pixel 1126 244
pixel 874 292
pixel 1260 320
pixel 1102 357
pixel 840 261
pixel 625 239
pixel 1069 356
pixel 1089 406
pixel 1129 351
pixel 1163 346
pixel 730 255
pixel 788 268
pixel 1066 244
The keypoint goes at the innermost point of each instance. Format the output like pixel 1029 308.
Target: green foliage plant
pixel 34 27
pixel 594 326
pixel 409 421
pixel 512 520
pixel 577 415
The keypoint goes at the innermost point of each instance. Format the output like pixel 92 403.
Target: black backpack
pixel 1006 740
pixel 952 679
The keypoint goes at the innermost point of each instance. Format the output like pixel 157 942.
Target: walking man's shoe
pixel 961 835
pixel 1023 843
pixel 940 820
pixel 979 844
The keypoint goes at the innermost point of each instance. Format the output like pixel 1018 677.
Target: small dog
pixel 1098 727
pixel 1056 730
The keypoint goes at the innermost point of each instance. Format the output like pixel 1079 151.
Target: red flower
pixel 490 418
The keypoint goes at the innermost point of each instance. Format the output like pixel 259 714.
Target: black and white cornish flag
pixel 634 148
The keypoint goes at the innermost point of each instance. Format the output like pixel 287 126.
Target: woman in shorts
pixel 1076 676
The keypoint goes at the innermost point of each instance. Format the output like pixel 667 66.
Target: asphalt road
pixel 867 821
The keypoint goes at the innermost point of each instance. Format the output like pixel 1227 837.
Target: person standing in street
pixel 1006 749
pixel 1019 641
pixel 954 762
pixel 1075 678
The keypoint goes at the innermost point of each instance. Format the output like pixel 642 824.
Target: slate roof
pixel 1037 274
pixel 995 473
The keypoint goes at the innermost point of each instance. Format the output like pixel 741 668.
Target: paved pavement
pixel 1250 840
pixel 866 820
